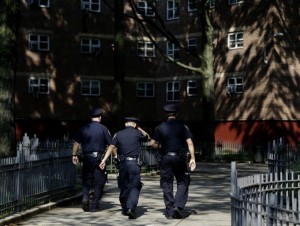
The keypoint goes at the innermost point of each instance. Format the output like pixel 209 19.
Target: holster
pixel 158 157
pixel 185 156
pixel 116 161
pixel 140 161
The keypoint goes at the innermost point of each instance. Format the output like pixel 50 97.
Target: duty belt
pixel 172 153
pixel 93 154
pixel 130 159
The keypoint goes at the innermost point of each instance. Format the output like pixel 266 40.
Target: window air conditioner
pixel 230 89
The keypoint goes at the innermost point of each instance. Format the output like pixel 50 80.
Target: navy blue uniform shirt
pixel 93 137
pixel 128 141
pixel 172 136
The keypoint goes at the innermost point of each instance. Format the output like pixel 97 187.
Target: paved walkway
pixel 208 205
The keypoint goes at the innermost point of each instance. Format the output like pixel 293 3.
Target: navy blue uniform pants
pixel 92 175
pixel 129 182
pixel 173 166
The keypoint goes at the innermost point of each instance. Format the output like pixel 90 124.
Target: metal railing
pixel 31 178
pixel 265 199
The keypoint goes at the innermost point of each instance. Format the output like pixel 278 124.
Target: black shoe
pixel 169 217
pixel 85 206
pixel 95 210
pixel 130 214
pixel 177 214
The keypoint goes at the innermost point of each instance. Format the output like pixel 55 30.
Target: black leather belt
pixel 130 159
pixel 172 153
pixel 93 154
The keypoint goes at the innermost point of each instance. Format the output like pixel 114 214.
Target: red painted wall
pixel 257 131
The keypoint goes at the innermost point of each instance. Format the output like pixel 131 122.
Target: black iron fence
pixel 34 178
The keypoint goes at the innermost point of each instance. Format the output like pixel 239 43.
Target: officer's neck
pixel 171 117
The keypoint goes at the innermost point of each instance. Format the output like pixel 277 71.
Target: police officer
pixel 128 147
pixel 175 140
pixel 94 138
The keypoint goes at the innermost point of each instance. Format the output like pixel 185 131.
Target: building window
pixel 145 89
pixel 145 49
pixel 192 45
pixel 234 85
pixel 212 3
pixel 192 6
pixel 39 42
pixel 38 85
pixel 235 40
pixel 90 45
pixel 90 87
pixel 145 7
pixel 173 9
pixel 172 51
pixel 233 2
pixel 39 3
pixel 191 87
pixel 172 91
pixel 91 5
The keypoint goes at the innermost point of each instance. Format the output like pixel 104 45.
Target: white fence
pixel 265 199
pixel 33 178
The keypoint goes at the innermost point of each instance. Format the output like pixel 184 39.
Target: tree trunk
pixel 207 84
pixel 9 14
pixel 118 65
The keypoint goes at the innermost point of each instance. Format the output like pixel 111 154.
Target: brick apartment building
pixel 65 66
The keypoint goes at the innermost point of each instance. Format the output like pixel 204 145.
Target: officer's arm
pixel 192 163
pixel 107 154
pixel 154 144
pixel 144 133
pixel 75 152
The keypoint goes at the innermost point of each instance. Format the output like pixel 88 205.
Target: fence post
pixel 272 198
pixel 234 212
pixel 24 150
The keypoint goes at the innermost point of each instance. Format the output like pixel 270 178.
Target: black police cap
pixel 96 112
pixel 171 108
pixel 132 119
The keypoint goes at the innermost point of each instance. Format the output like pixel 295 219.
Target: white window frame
pixel 145 49
pixel 173 9
pixel 172 91
pixel 39 42
pixel 144 89
pixel 91 5
pixel 234 2
pixel 235 84
pixel 191 85
pixel 192 44
pixel 192 5
pixel 145 7
pixel 90 87
pixel 172 50
pixel 212 3
pixel 38 85
pixel 39 3
pixel 235 40
pixel 90 45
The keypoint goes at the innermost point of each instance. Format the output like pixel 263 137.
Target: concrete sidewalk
pixel 208 205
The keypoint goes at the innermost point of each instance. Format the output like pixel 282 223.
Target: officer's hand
pixel 102 165
pixel 192 165
pixel 75 160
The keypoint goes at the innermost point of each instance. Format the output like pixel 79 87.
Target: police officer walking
pixel 94 138
pixel 175 141
pixel 127 145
